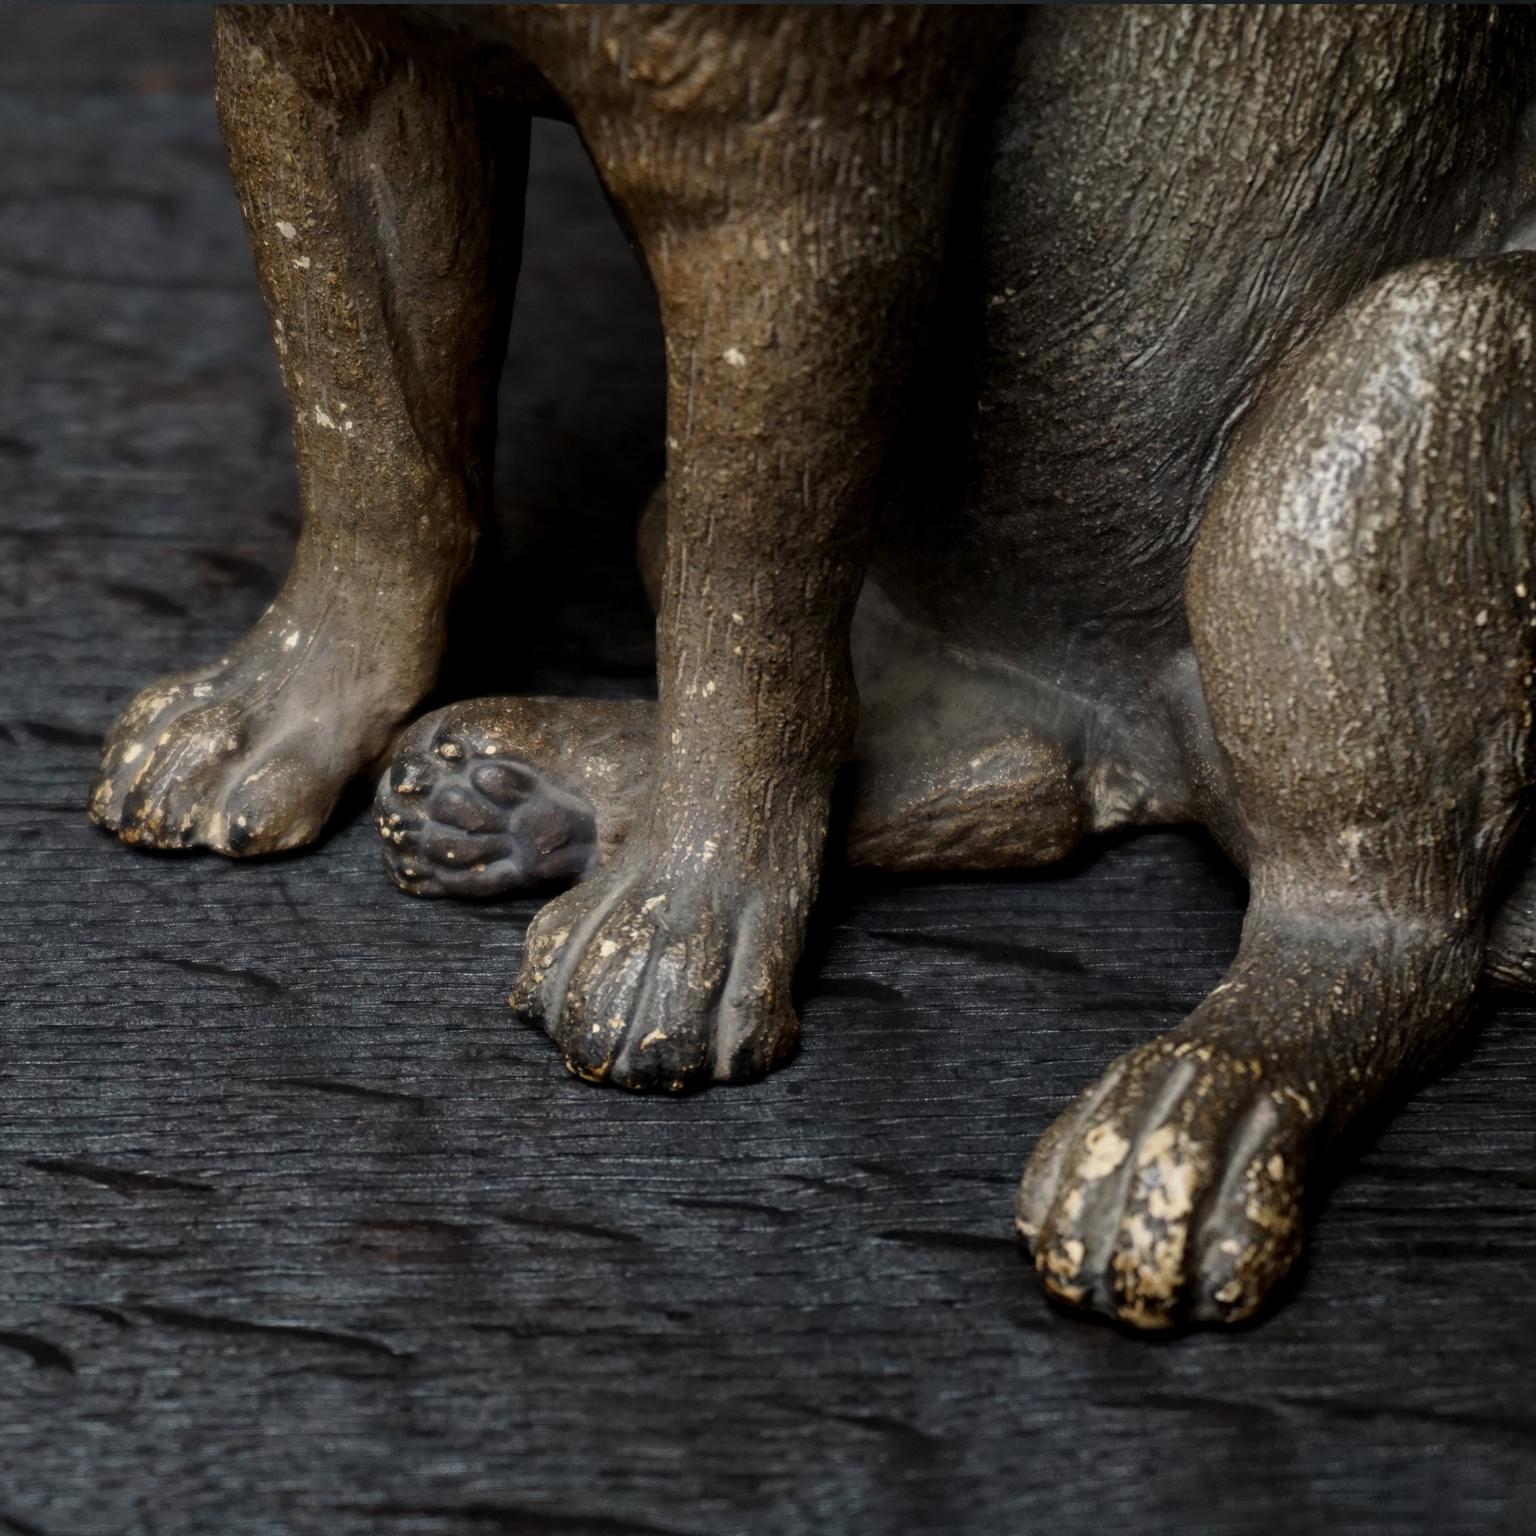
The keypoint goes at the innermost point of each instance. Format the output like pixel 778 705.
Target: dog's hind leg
pixel 500 795
pixel 1361 601
pixel 1511 957
pixel 383 201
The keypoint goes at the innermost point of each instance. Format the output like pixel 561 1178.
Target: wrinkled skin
pixel 1187 356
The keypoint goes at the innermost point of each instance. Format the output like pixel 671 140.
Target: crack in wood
pixel 128 1182
pixel 301 1333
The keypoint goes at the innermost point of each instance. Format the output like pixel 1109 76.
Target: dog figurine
pixel 1076 419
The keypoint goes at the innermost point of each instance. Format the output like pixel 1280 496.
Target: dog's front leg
pixel 793 237
pixel 383 200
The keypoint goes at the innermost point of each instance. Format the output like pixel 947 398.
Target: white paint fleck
pixel 735 357
pixel 1170 1189
pixel 302 263
pixel 1105 1150
pixel 285 229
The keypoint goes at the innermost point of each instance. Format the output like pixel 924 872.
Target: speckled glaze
pixel 1077 419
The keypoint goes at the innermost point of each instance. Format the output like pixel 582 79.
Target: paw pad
pixel 459 821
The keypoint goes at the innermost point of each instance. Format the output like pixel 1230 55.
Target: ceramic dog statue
pixel 1076 419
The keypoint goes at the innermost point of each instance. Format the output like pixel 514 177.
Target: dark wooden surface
pixel 301 1231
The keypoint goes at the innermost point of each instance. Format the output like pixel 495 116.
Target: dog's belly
pixel 1172 200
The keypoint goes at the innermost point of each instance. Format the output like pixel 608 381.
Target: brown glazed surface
pixel 1076 419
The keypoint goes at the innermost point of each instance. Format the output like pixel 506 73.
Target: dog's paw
pixel 462 816
pixel 194 765
pixel 650 979
pixel 1172 1190
pixel 246 757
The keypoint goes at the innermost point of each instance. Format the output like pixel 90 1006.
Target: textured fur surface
pixel 1076 419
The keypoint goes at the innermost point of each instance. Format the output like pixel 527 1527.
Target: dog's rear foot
pixel 498 795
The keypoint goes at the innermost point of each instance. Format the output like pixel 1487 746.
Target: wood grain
pixel 301 1231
